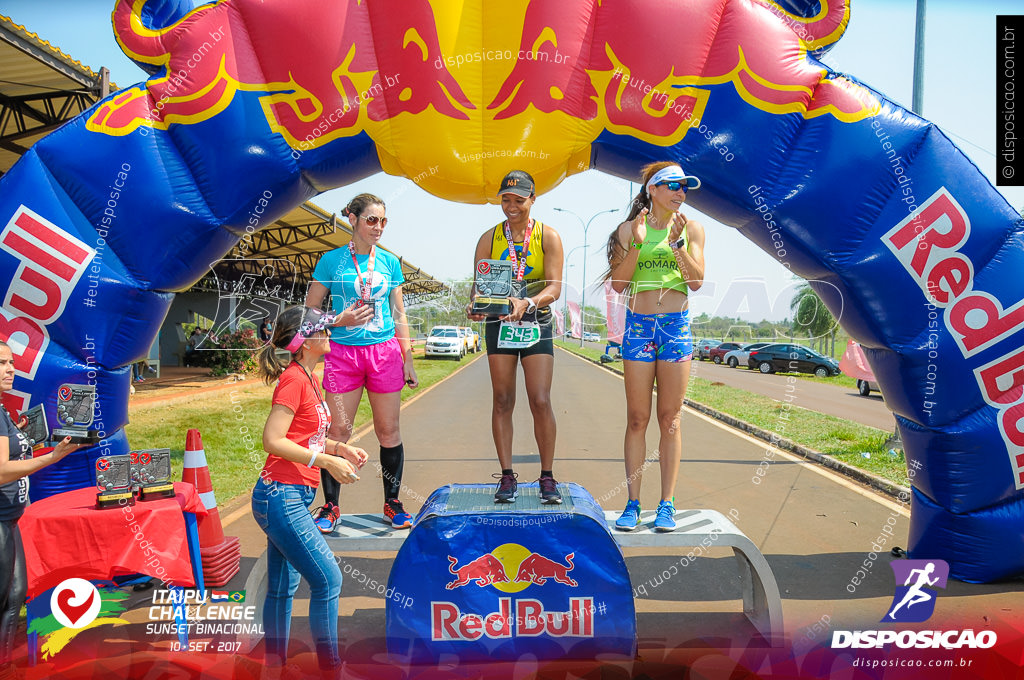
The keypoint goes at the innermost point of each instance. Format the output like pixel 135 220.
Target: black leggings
pixel 392 463
pixel 13 586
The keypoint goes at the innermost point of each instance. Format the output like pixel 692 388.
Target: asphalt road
pixel 834 400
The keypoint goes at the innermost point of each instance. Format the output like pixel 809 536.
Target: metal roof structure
pixel 42 88
pixel 280 258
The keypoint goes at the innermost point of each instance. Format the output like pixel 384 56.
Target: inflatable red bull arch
pixel 254 106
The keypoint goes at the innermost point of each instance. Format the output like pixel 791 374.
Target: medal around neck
pixel 494 286
pixel 75 411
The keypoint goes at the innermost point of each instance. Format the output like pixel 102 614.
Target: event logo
pixel 493 569
pixel 914 601
pixel 73 606
pixel 75 603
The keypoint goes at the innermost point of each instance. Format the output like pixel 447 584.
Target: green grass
pixel 231 423
pixel 830 435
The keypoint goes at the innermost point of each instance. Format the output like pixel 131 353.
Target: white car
pixel 591 337
pixel 738 357
pixel 445 341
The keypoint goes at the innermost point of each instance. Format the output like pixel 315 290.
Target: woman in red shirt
pixel 295 438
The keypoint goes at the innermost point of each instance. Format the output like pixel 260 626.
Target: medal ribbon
pixel 519 265
pixel 364 286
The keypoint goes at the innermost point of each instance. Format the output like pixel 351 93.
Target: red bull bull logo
pixel 524 617
pixel 398 70
pixel 493 569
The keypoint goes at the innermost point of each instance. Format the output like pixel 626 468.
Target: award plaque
pixel 493 286
pixel 75 404
pixel 36 429
pixel 114 480
pixel 151 473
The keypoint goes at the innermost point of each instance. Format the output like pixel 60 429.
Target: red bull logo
pixel 316 90
pixel 408 74
pixel 531 619
pixel 493 569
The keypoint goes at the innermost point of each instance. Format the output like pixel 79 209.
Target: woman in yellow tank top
pixel 535 251
pixel 658 255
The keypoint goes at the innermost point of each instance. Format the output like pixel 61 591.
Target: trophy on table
pixel 151 473
pixel 75 404
pixel 114 479
pixel 494 286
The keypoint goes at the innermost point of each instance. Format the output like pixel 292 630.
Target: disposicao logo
pixel 914 600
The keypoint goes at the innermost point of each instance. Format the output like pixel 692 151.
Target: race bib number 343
pixel 518 335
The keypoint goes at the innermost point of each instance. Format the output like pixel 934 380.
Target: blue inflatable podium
pixel 499 581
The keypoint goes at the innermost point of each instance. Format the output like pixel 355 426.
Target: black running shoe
pixel 507 488
pixel 549 491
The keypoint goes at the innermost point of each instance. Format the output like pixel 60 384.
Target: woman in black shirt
pixel 16 464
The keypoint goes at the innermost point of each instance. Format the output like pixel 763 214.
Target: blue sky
pixel 877 49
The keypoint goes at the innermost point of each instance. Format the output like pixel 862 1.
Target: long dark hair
pixel 642 200
pixel 285 328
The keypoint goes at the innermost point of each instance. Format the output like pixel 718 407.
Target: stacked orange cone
pixel 221 556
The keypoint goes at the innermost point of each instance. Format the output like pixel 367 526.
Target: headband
pixel 313 322
pixel 673 173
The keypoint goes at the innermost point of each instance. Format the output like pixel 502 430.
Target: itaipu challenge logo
pixel 914 600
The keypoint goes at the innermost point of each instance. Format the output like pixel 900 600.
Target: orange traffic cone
pixel 197 473
pixel 221 557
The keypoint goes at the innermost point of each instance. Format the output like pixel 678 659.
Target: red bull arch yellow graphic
pixel 400 71
pixel 263 103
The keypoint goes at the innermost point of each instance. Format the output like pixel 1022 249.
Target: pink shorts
pixel 377 367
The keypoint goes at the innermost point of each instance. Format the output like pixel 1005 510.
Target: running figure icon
pixel 916 594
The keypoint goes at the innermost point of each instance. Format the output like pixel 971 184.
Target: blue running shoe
pixel 630 517
pixel 665 521
pixel 396 514
pixel 326 518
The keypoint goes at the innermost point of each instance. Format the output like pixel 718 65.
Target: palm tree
pixel 811 314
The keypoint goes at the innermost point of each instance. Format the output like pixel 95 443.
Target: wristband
pixel 310 463
pixel 336 448
pixel 634 244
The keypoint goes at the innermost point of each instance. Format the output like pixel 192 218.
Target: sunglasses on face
pixel 373 219
pixel 673 186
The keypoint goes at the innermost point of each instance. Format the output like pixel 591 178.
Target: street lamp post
pixel 565 277
pixel 583 292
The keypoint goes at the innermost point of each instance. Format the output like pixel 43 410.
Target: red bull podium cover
pixel 498 582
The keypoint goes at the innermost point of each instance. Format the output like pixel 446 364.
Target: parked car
pixel 866 387
pixel 790 358
pixel 703 348
pixel 472 339
pixel 591 337
pixel 445 341
pixel 717 354
pixel 739 356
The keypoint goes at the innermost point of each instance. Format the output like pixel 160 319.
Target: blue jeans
pixel 296 547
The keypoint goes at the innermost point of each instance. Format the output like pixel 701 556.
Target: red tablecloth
pixel 66 536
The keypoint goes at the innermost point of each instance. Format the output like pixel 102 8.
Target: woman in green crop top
pixel 658 255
